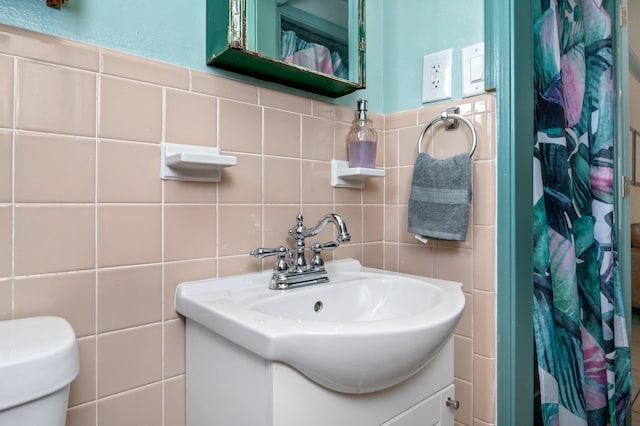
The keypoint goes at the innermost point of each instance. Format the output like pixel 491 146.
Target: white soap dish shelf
pixel 343 176
pixel 193 163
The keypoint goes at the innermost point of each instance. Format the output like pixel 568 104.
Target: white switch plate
pixel 436 76
pixel 473 70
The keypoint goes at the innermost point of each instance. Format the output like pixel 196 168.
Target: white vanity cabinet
pixel 228 385
pixel 431 411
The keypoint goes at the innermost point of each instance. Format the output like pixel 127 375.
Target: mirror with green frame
pixel 314 45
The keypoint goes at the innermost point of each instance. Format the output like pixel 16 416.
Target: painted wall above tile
pixel 169 32
pixel 175 33
pixel 414 28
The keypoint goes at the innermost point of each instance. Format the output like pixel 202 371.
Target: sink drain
pixel 318 306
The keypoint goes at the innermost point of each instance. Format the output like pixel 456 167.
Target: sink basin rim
pixel 274 326
pixel 226 310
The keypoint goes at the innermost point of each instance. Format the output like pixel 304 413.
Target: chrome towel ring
pixel 447 115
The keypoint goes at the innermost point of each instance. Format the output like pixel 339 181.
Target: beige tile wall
pixel 471 262
pixel 90 233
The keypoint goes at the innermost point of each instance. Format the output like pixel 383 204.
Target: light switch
pixel 477 69
pixel 473 70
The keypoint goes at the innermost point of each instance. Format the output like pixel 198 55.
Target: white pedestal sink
pixel 365 336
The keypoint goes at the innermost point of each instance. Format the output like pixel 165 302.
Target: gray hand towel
pixel 440 197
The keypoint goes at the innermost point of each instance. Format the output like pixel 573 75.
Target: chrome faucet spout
pixel 341 226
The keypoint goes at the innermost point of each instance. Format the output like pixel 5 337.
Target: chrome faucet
pixel 290 271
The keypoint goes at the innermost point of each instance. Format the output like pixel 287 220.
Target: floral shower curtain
pixel 580 335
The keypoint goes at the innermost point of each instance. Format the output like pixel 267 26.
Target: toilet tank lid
pixel 38 356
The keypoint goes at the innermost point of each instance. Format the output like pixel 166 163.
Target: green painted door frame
pixel 623 160
pixel 509 55
pixel 509 72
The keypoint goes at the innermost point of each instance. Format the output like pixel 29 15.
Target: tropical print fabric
pixel 580 335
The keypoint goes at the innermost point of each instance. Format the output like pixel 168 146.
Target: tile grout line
pixel 96 223
pixel 163 130
pixel 13 188
pixel 217 204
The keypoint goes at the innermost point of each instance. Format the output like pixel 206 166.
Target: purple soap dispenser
pixel 362 140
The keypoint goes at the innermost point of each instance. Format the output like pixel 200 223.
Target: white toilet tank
pixel 38 361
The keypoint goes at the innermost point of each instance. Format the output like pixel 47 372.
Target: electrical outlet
pixel 436 76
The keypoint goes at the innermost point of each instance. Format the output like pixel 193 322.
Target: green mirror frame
pixel 227 48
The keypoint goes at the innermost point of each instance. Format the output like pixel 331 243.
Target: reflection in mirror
pixel 315 45
pixel 315 40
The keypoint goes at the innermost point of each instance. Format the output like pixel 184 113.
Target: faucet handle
pixel 330 246
pixel 317 262
pixel 261 253
pixel 282 253
pixel 281 264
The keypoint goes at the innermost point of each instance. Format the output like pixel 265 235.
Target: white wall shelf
pixel 193 163
pixel 343 176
